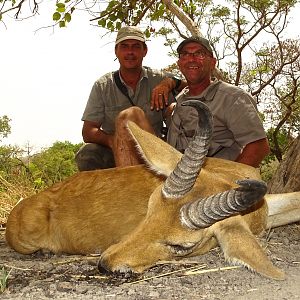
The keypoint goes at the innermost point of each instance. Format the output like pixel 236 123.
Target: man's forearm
pixel 254 153
pixel 97 136
pixel 174 83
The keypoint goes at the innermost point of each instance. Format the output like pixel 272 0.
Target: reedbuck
pixel 176 206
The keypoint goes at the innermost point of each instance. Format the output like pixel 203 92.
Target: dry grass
pixel 198 270
pixel 10 193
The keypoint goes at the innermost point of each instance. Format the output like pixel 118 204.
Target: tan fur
pixel 122 213
pixel 283 209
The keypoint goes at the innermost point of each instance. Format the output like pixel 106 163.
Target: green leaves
pixel 63 13
pixel 5 128
pixel 22 173
pixel 68 17
pixel 54 164
pixel 128 12
pixel 60 7
pixel 3 279
pixel 102 22
pixel 62 24
pixel 56 16
pixel 220 12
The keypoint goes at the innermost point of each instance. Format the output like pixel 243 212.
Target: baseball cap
pixel 130 33
pixel 196 39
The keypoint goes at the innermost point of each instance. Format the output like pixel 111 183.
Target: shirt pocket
pixel 111 112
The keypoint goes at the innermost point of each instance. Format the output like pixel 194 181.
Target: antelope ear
pixel 240 247
pixel 158 155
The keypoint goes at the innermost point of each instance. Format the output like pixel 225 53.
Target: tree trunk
pixel 287 176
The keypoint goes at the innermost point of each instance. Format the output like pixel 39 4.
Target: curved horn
pixel 205 212
pixel 183 178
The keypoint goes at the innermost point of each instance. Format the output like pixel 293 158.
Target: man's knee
pixel 93 156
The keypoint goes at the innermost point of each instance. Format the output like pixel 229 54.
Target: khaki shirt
pixel 106 101
pixel 236 121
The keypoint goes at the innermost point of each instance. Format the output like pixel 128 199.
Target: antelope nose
pixel 103 268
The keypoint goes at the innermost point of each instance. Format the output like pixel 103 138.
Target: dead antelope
pixel 182 205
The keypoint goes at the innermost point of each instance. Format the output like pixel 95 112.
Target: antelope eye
pixel 181 249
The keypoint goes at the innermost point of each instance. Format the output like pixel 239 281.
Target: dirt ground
pixel 49 276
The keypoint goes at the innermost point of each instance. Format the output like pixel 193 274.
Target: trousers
pixel 93 156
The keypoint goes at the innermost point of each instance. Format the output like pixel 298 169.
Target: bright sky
pixel 46 77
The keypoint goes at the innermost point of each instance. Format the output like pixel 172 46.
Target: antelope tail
pixel 283 209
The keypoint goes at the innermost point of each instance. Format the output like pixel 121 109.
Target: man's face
pixel 196 63
pixel 130 53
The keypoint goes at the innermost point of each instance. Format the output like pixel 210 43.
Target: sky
pixel 46 75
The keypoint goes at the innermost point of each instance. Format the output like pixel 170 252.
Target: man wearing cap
pixel 133 93
pixel 238 133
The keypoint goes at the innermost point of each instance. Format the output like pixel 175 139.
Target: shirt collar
pixel 208 94
pixel 144 74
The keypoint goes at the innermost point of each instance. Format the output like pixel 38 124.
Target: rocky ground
pixel 75 277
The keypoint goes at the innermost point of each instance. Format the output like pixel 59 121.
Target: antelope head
pixel 192 211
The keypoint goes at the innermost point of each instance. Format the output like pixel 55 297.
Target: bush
pixel 22 176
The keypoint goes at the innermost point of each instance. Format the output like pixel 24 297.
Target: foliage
pixel 267 169
pixel 12 190
pixel 14 180
pixel 10 158
pixel 271 162
pixel 274 78
pixel 283 140
pixel 63 13
pixel 22 176
pixel 5 128
pixel 3 279
pixel 53 164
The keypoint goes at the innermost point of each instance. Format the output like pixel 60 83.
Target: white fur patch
pixel 237 262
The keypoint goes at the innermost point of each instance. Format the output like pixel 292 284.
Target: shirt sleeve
pixel 243 120
pixel 94 110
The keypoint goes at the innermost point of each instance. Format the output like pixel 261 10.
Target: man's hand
pixel 160 93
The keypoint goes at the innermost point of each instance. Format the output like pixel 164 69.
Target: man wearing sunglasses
pixel 238 133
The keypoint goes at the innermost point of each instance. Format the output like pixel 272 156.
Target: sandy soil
pixel 76 277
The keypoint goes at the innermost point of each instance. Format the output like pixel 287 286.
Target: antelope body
pixel 180 205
